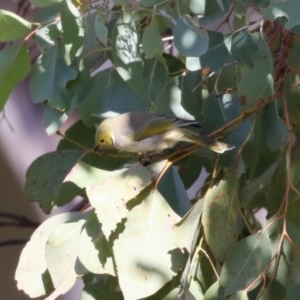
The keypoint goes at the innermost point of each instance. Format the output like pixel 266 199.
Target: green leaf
pixel 126 54
pixel 187 171
pixel 172 189
pixel 258 185
pixel 106 289
pixel 46 15
pixel 93 58
pixel 293 289
pixel 285 10
pixel 100 95
pixel 45 177
pixel 245 263
pixel 12 27
pixel 115 191
pixel 244 46
pixel 197 7
pixel 152 41
pixel 83 137
pixel 101 31
pixel 61 254
pixel 277 191
pixel 258 81
pixel 291 93
pixel 224 109
pixel 221 216
pixel 276 130
pixel 94 251
pixel 215 292
pixel 214 10
pixel 73 30
pixel 150 2
pixel 215 56
pixel 156 79
pixel 189 38
pixel 31 273
pixel 185 229
pixel 44 3
pixel 151 260
pixel 14 67
pixel 174 65
pixel 49 79
pixel 54 119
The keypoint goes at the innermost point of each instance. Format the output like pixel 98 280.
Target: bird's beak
pixel 96 148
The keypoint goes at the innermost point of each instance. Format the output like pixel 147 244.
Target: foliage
pixel 142 237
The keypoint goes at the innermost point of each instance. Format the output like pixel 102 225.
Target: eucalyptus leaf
pixel 32 268
pixel 14 67
pixel 245 263
pixel 145 254
pixel 12 27
pixel 189 38
pixel 220 217
pixel 110 196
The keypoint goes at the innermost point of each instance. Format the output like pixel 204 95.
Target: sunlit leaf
pixel 31 273
pixel 12 27
pixel 145 255
pixel 110 196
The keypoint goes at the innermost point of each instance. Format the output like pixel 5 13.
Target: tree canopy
pixel 231 65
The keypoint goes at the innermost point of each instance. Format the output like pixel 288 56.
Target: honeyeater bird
pixel 147 132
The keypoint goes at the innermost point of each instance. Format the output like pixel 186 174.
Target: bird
pixel 143 132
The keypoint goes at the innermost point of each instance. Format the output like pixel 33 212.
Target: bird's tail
pixel 210 143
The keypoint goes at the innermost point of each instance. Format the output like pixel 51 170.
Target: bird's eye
pixel 102 141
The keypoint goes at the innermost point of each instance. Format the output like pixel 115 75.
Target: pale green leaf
pixel 61 254
pixel 110 196
pixel 94 251
pixel 32 269
pixel 145 252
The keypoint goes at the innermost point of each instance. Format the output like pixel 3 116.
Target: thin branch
pixel 20 220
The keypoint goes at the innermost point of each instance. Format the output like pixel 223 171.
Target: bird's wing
pixel 159 123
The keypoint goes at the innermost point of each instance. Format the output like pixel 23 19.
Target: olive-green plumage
pixel 146 132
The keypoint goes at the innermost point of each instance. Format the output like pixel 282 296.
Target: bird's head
pixel 104 138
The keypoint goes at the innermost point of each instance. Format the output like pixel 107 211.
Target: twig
pixel 20 220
